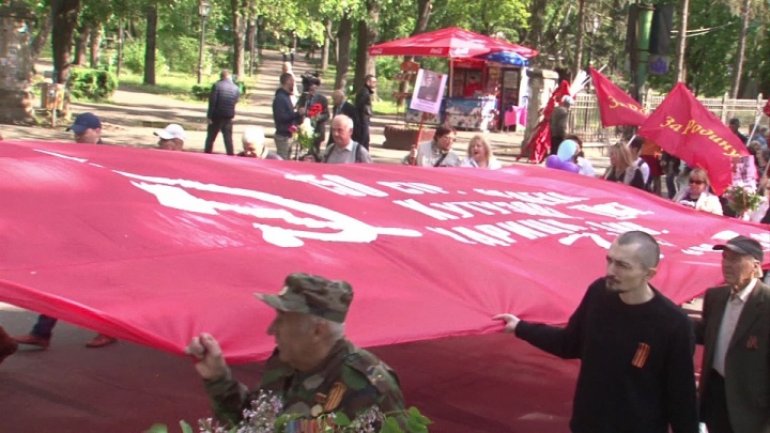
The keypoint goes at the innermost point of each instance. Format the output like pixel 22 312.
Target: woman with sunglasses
pixel 697 196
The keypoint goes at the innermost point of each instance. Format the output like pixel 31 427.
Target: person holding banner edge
pixel 635 346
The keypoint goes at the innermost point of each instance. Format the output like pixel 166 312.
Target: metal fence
pixel 586 122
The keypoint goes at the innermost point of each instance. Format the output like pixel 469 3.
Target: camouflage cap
pixel 312 294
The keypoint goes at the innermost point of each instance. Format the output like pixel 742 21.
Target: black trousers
pixel 224 124
pixel 714 405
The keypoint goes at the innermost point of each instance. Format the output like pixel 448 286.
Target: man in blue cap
pixel 87 129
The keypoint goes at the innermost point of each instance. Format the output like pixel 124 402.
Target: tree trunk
pixel 96 42
pixel 251 36
pixel 239 33
pixel 150 40
pixel 682 45
pixel 327 42
pixel 580 38
pixel 121 32
pixel 367 34
pixel 38 42
pixel 81 40
pixel 16 73
pixel 344 35
pixel 537 12
pixel 65 15
pixel 741 54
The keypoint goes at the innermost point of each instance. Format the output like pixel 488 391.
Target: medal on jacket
pixel 641 355
pixel 334 398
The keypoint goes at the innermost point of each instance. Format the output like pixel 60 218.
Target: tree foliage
pixel 550 26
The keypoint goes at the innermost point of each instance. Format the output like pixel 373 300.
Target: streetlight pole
pixel 203 11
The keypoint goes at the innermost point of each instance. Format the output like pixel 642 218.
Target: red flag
pixel 686 129
pixel 539 144
pixel 767 108
pixel 615 106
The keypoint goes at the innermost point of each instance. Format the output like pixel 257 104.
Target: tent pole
pixel 451 77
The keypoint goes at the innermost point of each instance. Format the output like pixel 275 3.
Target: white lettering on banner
pixel 699 250
pixel 465 209
pixel 449 233
pixel 622 227
pixel 598 240
pixel 544 198
pixel 481 238
pixel 521 230
pixel 533 209
pixel 338 185
pixel 500 234
pixel 421 208
pixel 544 227
pixel 415 188
pixel 613 210
pixel 323 224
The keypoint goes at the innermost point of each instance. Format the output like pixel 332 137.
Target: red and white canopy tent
pixel 452 43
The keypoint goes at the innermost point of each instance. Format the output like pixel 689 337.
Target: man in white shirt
pixel 735 333
pixel 344 150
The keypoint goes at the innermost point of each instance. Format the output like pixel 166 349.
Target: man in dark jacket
pixel 316 106
pixel 284 115
pixel 342 106
pixel 222 99
pixel 364 111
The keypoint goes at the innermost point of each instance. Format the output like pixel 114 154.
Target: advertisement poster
pixel 428 91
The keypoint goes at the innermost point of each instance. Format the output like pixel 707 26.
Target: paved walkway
pixel 131 117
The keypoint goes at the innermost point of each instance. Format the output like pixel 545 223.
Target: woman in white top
pixel 480 155
pixel 697 196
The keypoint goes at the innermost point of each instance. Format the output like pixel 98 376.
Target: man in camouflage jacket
pixel 314 370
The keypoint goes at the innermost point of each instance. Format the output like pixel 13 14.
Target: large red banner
pixel 683 127
pixel 155 246
pixel 616 107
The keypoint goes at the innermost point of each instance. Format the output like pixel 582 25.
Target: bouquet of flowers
pixel 314 110
pixel 742 199
pixel 304 135
pixel 265 416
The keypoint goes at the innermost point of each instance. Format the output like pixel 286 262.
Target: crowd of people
pixel 636 346
pixel 642 164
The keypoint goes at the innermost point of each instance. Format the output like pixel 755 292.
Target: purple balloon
pixel 554 162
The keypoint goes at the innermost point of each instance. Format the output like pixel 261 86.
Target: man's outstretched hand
pixel 210 363
pixel 511 321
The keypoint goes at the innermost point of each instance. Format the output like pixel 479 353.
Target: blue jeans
pixel 44 326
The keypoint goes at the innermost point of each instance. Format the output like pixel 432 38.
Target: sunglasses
pixel 697 182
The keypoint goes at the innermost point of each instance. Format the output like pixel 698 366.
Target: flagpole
pixel 754 128
pixel 632 139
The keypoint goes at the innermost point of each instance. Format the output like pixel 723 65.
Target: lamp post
pixel 203 11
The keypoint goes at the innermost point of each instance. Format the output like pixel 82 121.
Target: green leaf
pixel 341 419
pixel 186 428
pixel 157 428
pixel 391 426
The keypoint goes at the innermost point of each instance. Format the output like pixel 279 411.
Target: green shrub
pixel 181 53
pixel 92 84
pixel 133 59
pixel 201 91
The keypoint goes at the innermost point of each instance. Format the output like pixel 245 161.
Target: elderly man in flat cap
pixel 735 333
pixel 315 370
